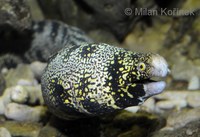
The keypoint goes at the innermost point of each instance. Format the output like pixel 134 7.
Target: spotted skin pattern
pixel 51 36
pixel 94 79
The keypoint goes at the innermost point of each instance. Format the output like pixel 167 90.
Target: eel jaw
pixel 153 88
pixel 159 70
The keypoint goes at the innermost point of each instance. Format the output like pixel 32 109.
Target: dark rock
pixel 192 129
pixel 126 124
pixel 21 72
pixel 182 42
pixel 178 119
pixel 22 129
pixel 49 131
pixel 14 13
pixel 15 19
pixel 9 61
pixel 2 84
pixel 123 124
pixel 91 14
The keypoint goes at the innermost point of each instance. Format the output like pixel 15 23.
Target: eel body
pixel 49 36
pixel 97 78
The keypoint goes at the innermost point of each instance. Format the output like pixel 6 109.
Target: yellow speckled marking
pixel 66 101
pixel 113 93
pixel 92 100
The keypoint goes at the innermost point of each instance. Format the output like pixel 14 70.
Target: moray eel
pixel 38 42
pixel 49 36
pixel 96 79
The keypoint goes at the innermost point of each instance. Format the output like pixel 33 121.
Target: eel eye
pixel 141 66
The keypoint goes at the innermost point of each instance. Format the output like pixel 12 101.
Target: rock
pixel 19 95
pixel 2 107
pixel 89 14
pixel 8 60
pixel 190 5
pixel 14 13
pixel 37 68
pixel 34 94
pixel 5 99
pixel 184 70
pixel 22 72
pixel 2 84
pixel 133 109
pixel 181 118
pixel 191 129
pixel 4 132
pixel 194 83
pixel 149 105
pixel 103 36
pixel 26 82
pixel 22 129
pixel 31 95
pixel 194 99
pixel 148 39
pixel 178 99
pixel 15 21
pixel 4 71
pixel 170 104
pixel 181 42
pixel 27 94
pixel 2 118
pixel 21 112
pixel 121 124
pixel 49 131
pixel 36 12
pixel 133 124
pixel 135 131
pixel 173 95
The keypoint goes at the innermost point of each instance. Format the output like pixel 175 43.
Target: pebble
pixel 172 95
pixel 191 129
pixel 149 105
pixel 179 119
pixel 2 84
pixel 189 132
pixel 20 112
pixel 5 99
pixel 4 132
pixel 37 68
pixel 194 99
pixel 194 83
pixel 2 108
pixel 178 99
pixel 170 104
pixel 22 72
pixel 27 94
pixel 25 82
pixel 185 69
pixel 19 95
pixel 49 131
pixel 133 109
pixel 22 129
pixel 4 71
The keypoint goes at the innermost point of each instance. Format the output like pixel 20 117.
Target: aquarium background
pixel 169 28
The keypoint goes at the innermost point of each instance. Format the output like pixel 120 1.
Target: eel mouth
pixel 155 85
pixel 152 87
